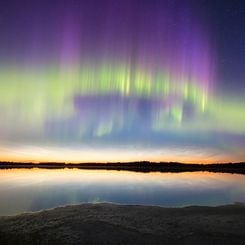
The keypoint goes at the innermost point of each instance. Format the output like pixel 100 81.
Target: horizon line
pixel 116 162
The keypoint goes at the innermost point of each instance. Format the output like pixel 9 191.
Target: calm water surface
pixel 23 190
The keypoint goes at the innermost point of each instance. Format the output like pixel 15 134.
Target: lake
pixel 24 190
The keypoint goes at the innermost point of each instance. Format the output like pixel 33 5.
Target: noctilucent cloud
pixel 116 81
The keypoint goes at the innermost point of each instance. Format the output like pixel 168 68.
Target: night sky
pixel 122 80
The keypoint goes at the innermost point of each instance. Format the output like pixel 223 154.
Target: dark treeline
pixel 140 166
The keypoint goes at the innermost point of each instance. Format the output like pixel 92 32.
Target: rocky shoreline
pixel 107 223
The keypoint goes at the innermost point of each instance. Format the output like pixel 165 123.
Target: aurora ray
pixel 129 77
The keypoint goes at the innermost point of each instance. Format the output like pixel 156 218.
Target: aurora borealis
pixel 115 81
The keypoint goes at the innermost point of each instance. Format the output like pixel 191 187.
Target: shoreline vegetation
pixel 107 223
pixel 140 166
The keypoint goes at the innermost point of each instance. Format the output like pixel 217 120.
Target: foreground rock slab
pixel 126 224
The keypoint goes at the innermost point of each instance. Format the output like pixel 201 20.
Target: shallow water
pixel 23 190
